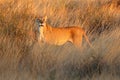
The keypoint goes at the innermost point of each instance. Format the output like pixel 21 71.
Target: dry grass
pixel 22 58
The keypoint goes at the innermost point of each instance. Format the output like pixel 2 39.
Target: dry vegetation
pixel 22 58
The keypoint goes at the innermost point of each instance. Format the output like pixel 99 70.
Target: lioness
pixel 60 35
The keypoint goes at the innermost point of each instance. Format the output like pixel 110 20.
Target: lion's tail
pixel 86 38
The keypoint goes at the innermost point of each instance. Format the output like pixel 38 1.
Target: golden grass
pixel 22 58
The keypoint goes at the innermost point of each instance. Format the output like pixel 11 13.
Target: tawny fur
pixel 61 35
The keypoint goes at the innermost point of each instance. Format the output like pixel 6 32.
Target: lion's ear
pixel 45 18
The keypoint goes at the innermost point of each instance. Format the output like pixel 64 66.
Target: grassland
pixel 22 58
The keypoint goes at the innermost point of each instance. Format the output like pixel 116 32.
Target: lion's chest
pixel 41 31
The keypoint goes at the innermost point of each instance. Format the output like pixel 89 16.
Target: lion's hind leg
pixel 77 41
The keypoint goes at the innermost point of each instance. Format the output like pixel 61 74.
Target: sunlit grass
pixel 23 58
